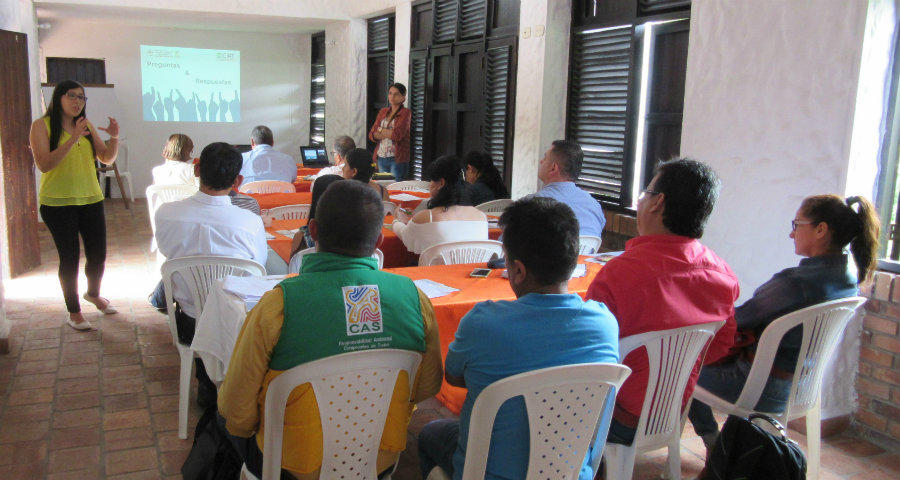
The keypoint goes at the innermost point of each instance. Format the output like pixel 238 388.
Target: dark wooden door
pixel 18 166
pixel 380 75
pixel 468 91
pixel 440 130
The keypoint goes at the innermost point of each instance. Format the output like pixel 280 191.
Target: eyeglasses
pixel 75 96
pixel 794 223
pixel 645 192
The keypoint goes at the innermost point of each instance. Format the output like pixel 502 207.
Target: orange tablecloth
pixel 409 204
pixel 303 171
pixel 272 200
pixel 450 309
pixel 395 253
pixel 303 185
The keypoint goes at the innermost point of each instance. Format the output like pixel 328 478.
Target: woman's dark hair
pixel 361 160
pixel 402 89
pixel 487 172
pixel 446 168
pixel 54 111
pixel 858 228
pixel 691 189
pixel 319 186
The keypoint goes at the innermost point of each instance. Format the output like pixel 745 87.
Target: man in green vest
pixel 339 303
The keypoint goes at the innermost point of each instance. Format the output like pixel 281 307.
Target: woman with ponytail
pixel 826 230
pixel 65 144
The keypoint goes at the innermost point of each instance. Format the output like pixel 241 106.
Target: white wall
pixel 402 27
pixel 345 80
pixel 274 85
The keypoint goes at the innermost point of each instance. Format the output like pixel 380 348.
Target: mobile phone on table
pixel 480 272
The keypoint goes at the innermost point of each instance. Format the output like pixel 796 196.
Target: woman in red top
pixel 391 132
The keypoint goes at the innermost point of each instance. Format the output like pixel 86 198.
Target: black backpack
pixel 212 455
pixel 746 451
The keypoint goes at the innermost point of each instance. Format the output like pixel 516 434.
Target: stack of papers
pixel 433 289
pixel 250 289
pixel 288 233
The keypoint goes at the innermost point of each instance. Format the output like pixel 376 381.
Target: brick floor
pixel 102 404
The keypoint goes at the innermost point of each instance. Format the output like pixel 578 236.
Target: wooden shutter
pixel 379 34
pixel 472 18
pixel 599 109
pixel 418 70
pixel 445 16
pixel 497 105
pixel 659 6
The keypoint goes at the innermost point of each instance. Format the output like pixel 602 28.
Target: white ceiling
pixel 273 16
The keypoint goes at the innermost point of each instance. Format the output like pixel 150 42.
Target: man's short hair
pixel 220 164
pixel 691 189
pixel 569 156
pixel 343 145
pixel 542 234
pixel 349 217
pixel 261 135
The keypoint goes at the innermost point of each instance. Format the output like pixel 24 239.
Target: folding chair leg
pixel 184 391
pixel 813 441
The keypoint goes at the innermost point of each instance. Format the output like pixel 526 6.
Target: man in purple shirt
pixel 558 170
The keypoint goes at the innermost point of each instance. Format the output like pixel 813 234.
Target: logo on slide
pixel 362 307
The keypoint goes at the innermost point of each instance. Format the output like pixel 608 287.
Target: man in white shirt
pixel 208 224
pixel 342 147
pixel 265 163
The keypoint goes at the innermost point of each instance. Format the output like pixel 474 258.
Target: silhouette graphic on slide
pixel 213 108
pixel 148 104
pixel 191 110
pixel 158 108
pixel 201 106
pixel 223 108
pixel 235 107
pixel 170 105
pixel 182 107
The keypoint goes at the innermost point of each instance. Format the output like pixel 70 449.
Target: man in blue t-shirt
pixel 558 170
pixel 546 326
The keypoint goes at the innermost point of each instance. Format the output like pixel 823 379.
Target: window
pixel 888 190
pixel 626 91
pixel 317 91
pixel 82 70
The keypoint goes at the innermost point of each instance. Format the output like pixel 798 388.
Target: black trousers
pixel 66 223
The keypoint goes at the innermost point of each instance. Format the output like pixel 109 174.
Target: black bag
pixel 745 450
pixel 212 456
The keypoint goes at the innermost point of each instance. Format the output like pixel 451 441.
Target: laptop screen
pixel 314 156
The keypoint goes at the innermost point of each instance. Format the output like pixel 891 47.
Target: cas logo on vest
pixel 362 307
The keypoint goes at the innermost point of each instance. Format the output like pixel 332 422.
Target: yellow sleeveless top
pixel 74 180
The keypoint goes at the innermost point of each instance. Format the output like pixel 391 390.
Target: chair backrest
pixel 160 194
pixel 495 206
pixel 353 391
pixel 388 207
pixel 588 244
pixel 408 185
pixel 452 253
pixel 297 259
pixel 672 355
pixel 268 186
pixel 289 212
pixel 564 406
pixel 199 272
pixel 822 328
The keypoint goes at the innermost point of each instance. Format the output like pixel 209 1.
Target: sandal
pixel 106 310
pixel 85 325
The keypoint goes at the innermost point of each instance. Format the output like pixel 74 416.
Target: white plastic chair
pixel 410 186
pixel 297 259
pixel 160 194
pixel 289 212
pixel 822 328
pixel 495 206
pixel 452 253
pixel 588 244
pixel 336 382
pixel 564 405
pixel 113 171
pixel 199 272
pixel 268 186
pixel 672 355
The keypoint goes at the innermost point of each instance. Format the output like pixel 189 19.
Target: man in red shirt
pixel 667 279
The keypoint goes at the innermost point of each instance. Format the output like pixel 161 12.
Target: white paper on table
pixel 604 257
pixel 269 236
pixel 288 233
pixel 405 196
pixel 580 271
pixel 433 289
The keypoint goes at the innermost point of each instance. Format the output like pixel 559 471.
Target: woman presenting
pixel 65 144
pixel 391 132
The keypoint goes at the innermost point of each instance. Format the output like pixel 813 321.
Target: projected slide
pixel 190 84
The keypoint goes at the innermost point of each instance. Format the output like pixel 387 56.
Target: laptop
pixel 314 157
